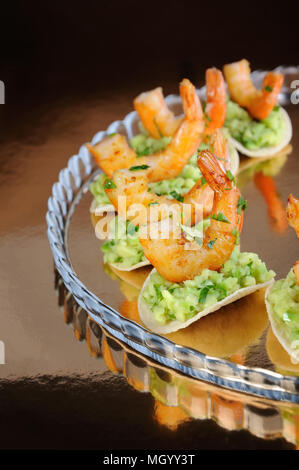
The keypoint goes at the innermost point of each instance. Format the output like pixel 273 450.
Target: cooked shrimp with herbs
pixel 282 299
pixel 259 103
pixel 170 256
pixel 114 152
pixel 158 120
pixel 131 187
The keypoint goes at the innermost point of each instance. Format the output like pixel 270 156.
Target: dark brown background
pixel 70 68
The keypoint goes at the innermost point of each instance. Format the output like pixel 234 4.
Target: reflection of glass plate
pixel 78 260
pixel 176 397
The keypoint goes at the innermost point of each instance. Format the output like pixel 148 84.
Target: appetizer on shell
pixel 258 126
pixel 186 285
pixel 282 298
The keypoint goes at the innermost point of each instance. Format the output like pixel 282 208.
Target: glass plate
pixel 178 398
pixel 79 261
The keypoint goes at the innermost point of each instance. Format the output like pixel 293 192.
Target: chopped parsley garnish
pixel 112 134
pixel 211 243
pixel 236 233
pixel 131 229
pixel 109 184
pixel 139 167
pixel 203 294
pixel 158 292
pixel 158 128
pixel 143 152
pixel 268 88
pixel 176 196
pixel 203 181
pixel 220 217
pixel 119 259
pixel 230 176
pixel 276 108
pixel 152 203
pixel 242 205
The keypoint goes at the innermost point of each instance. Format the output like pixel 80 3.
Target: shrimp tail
pixel 191 103
pixel 212 171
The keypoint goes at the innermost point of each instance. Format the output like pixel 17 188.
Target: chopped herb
pixel 152 203
pixel 109 184
pixel 268 88
pixel 191 308
pixel 276 108
pixel 158 292
pixel 138 167
pixel 112 134
pixel 131 229
pixel 208 117
pixel 220 217
pixel 236 233
pixel 203 181
pixel 242 205
pixel 119 259
pixel 250 264
pixel 230 176
pixel 176 196
pixel 204 104
pixel 171 290
pixel 143 152
pixel 158 128
pixel 211 243
pixel 203 294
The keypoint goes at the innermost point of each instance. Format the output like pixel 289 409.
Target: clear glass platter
pixel 243 354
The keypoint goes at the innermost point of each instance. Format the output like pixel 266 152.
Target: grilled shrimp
pixel 114 153
pixel 158 120
pixel 177 264
pixel 155 115
pixel 293 219
pixel 215 109
pixel 259 103
pixel 133 187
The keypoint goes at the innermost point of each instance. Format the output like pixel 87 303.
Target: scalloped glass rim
pixel 73 182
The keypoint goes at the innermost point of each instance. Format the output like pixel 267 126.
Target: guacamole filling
pixel 97 190
pixel 284 301
pixel 251 133
pixel 181 301
pixel 123 248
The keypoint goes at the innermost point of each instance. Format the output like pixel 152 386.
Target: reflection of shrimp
pixel 259 103
pixel 158 120
pixel 276 210
pixel 155 115
pixel 168 163
pixel 170 257
pixel 134 186
pixel 293 219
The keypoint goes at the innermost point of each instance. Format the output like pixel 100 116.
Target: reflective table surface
pixel 65 383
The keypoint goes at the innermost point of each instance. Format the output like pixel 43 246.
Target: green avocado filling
pixel 123 248
pixel 98 192
pixel 251 133
pixel 181 301
pixel 284 301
